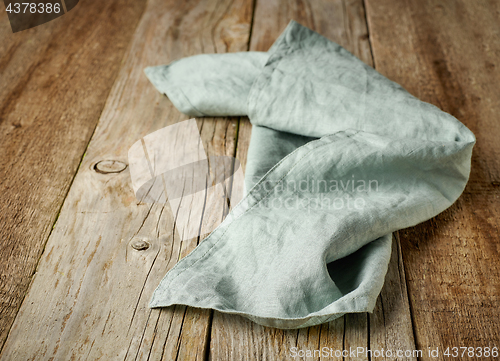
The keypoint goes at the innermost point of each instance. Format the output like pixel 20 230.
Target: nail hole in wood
pixel 140 245
pixel 109 166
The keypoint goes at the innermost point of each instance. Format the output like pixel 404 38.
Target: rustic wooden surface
pixel 54 81
pixel 447 53
pixel 88 298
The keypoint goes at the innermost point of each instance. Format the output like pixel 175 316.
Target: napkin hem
pixel 157 75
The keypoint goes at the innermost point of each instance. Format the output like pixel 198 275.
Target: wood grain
pixel 390 324
pixel 89 297
pixel 446 53
pixel 54 80
pixel 235 338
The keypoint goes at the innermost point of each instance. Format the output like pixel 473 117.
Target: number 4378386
pixel 17 8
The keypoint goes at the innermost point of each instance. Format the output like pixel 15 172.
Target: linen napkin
pixel 340 157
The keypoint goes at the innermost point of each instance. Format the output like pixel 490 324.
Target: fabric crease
pixel 324 119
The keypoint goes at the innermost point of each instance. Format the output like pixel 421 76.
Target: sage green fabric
pixel 294 257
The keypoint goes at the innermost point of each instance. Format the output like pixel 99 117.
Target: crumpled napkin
pixel 340 157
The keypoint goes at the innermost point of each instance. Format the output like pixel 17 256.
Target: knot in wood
pixel 140 245
pixel 109 166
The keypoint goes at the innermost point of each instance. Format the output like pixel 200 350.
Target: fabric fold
pixel 209 84
pixel 340 157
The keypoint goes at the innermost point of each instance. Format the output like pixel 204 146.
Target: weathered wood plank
pixel 90 293
pixel 446 53
pixel 54 81
pixel 236 338
pixel 390 323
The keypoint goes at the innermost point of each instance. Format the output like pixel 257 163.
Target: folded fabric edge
pixel 353 302
pixel 366 304
pixel 286 44
pixel 157 75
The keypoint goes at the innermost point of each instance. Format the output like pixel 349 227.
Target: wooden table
pixel 73 99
